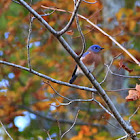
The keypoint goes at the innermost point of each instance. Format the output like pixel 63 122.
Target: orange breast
pixel 91 58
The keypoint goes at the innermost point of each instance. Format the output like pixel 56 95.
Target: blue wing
pixel 86 53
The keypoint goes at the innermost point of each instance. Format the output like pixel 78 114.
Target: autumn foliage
pixel 134 94
pixel 22 91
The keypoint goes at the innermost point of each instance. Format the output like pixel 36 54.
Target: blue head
pixel 95 48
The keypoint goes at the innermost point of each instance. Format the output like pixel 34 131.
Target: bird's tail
pixel 73 79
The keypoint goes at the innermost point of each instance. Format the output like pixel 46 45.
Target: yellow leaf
pixel 2 112
pixel 51 23
pixel 41 105
pixel 132 24
pixel 124 12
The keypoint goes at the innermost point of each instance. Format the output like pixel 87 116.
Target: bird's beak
pixel 102 48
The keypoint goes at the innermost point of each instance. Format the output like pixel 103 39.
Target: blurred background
pixel 28 105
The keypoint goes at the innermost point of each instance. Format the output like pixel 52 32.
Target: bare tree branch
pixel 78 100
pixel 56 120
pixel 29 37
pixel 113 124
pixel 49 135
pixel 104 108
pixel 71 20
pixel 47 14
pixel 90 2
pixel 28 42
pixel 109 68
pixel 126 136
pixel 81 33
pixel 47 77
pixel 134 113
pixel 15 1
pixel 71 126
pixel 56 91
pixel 60 132
pixel 123 76
pixel 117 90
pixel 6 130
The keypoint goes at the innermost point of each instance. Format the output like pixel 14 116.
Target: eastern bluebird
pixel 91 58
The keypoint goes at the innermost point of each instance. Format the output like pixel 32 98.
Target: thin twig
pixel 117 90
pixel 55 120
pixel 60 132
pixel 133 114
pixel 71 126
pixel 78 36
pixel 56 91
pixel 90 2
pixel 109 68
pixel 113 124
pixel 28 42
pixel 6 130
pixel 75 100
pixel 81 33
pixel 49 135
pixel 106 73
pixel 48 14
pixel 16 2
pixel 71 19
pixel 104 108
pixel 123 76
pixel 126 136
pixel 29 36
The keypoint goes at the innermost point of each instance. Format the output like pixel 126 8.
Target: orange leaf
pixel 41 105
pixel 138 87
pixel 70 32
pixel 133 95
pixel 124 11
pixel 94 130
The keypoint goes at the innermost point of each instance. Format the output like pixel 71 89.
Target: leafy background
pixel 18 88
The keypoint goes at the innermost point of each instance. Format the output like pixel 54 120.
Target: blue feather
pixel 86 53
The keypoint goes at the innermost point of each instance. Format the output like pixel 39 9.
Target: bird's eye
pixel 96 48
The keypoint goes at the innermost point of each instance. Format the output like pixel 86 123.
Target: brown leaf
pixel 121 64
pixel 138 87
pixel 70 32
pixel 133 95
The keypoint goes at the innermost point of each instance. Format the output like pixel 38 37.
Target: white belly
pixel 90 68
